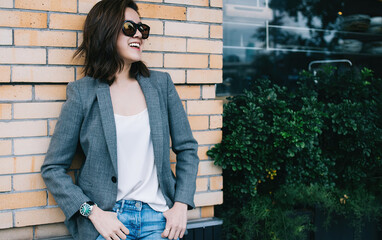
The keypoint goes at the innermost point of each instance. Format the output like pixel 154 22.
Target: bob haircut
pixel 102 26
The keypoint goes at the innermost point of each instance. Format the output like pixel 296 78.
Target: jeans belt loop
pixel 122 205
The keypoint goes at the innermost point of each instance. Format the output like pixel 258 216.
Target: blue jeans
pixel 143 222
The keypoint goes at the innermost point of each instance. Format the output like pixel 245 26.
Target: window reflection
pixel 278 38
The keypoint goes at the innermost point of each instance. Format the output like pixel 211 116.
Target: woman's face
pixel 130 53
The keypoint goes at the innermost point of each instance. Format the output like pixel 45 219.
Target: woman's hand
pixel 176 221
pixel 107 224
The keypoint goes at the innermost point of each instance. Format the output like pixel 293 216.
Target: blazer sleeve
pixel 184 146
pixel 61 151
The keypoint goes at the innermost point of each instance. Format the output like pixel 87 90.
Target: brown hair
pixel 99 46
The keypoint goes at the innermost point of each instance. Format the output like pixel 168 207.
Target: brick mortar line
pixel 24 191
pixel 30 209
pixel 30 101
pixel 32 83
pixel 14 9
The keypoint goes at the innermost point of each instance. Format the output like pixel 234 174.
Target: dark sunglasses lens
pixel 145 30
pixel 128 29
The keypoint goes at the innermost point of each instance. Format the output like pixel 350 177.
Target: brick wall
pixel 37 40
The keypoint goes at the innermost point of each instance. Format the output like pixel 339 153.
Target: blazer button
pixel 113 179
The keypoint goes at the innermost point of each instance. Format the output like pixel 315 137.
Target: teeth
pixel 134 45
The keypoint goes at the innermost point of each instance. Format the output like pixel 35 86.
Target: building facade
pixel 37 41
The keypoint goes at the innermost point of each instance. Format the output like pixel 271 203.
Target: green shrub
pixel 306 148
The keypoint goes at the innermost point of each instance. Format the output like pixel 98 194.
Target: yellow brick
pixel 202 153
pixel 27 164
pixel 204 46
pixel 17 233
pixel 173 168
pixel 52 125
pixel 208 168
pixel 23 19
pixel 6 4
pixel 31 146
pixel 15 92
pixel 188 92
pixel 208 137
pixel 66 21
pixel 188 2
pixel 5 37
pixel 208 91
pixel 216 183
pixel 42 74
pixel 153 59
pixel 51 231
pixel 185 61
pixel 5 184
pixel 204 15
pixel 205 107
pixel 204 76
pixel 50 92
pixel 177 76
pixel 5 111
pixel 51 201
pixel 22 56
pixel 193 214
pixel 216 3
pixel 162 11
pixel 216 31
pixel 48 5
pixel 156 27
pixel 208 199
pixel 5 149
pixel 23 129
pixel 5 74
pixel 6 220
pixel 79 73
pixel 64 57
pixel 216 61
pixel 165 44
pixel 45 38
pixel 22 200
pixel 198 122
pixel 186 29
pixel 207 212
pixel 28 182
pixel 37 110
pixel 84 6
pixel 201 184
pixel 39 216
pixel 216 122
pixel 172 156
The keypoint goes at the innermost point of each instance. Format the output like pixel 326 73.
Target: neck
pixel 123 75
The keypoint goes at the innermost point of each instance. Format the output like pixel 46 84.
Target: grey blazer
pixel 87 120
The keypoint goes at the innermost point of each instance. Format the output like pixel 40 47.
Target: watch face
pixel 85 209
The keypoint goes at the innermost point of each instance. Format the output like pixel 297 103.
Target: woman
pixel 121 115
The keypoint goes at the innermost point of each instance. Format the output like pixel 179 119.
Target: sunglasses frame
pixel 137 26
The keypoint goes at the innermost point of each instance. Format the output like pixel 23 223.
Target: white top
pixel 137 173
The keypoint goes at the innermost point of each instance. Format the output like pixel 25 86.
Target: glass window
pixel 278 38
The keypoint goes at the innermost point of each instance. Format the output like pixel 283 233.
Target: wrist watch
pixel 86 208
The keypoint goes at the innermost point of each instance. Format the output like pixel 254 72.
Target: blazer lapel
pixel 155 118
pixel 108 122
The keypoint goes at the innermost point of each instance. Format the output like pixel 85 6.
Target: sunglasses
pixel 129 28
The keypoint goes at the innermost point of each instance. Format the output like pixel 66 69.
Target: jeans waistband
pixel 123 205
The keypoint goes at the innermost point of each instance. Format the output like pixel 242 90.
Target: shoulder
pixel 85 87
pixel 85 82
pixel 159 75
pixel 162 78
